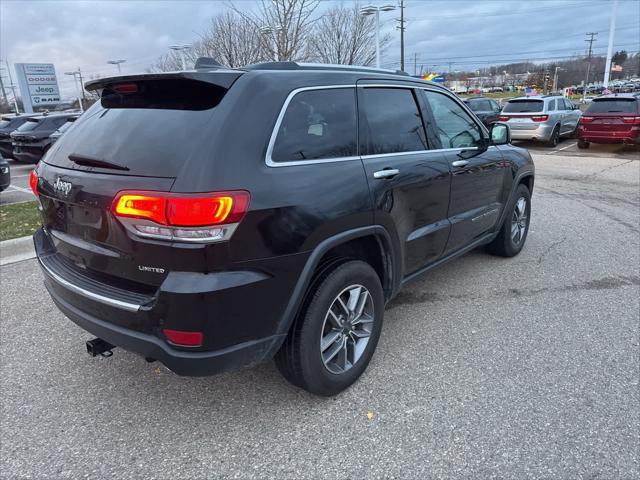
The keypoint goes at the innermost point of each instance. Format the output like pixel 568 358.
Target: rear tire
pixel 555 137
pixel 324 327
pixel 515 227
pixel 583 144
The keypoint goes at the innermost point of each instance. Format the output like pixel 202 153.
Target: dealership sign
pixel 38 84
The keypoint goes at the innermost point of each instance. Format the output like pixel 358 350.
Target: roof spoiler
pixel 221 78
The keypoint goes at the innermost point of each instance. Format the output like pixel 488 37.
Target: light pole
pixel 180 48
pixel 370 10
pixel 612 28
pixel 272 33
pixel 116 63
pixel 77 74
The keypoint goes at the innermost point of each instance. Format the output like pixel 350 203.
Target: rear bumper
pixel 540 132
pixel 237 311
pixel 180 362
pixel 628 137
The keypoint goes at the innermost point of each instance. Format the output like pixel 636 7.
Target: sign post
pixel 38 85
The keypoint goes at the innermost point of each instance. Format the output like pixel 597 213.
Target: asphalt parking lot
pixel 487 368
pixel 19 190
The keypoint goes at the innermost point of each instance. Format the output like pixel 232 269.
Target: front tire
pixel 513 232
pixel 334 336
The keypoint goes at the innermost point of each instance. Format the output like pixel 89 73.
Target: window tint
pixel 523 106
pixel 393 121
pixel 455 127
pixel 318 124
pixel 480 105
pixel 611 105
pixel 551 106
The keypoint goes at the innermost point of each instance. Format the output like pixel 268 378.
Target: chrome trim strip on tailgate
pixel 131 307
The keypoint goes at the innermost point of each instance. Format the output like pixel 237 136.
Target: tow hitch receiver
pixel 97 346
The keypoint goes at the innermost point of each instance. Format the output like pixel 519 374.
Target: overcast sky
pixel 468 33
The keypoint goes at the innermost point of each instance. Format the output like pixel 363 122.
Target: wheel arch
pixel 354 244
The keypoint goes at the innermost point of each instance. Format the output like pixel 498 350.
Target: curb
pixel 16 250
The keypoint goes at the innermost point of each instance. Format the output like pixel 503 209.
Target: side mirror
pixel 500 134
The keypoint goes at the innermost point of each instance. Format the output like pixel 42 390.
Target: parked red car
pixel 611 119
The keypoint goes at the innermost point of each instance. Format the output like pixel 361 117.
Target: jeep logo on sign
pixel 62 187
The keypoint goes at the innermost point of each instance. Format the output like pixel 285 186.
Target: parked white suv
pixel 542 118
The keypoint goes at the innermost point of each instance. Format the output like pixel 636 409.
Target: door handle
pixel 386 173
pixel 460 163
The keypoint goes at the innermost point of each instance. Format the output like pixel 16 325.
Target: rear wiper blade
pixel 95 162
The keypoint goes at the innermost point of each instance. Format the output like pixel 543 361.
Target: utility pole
pixel 402 28
pixel 545 81
pixel 590 40
pixel 415 64
pixel 612 28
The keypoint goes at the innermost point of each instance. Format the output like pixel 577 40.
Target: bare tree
pixel 286 26
pixel 343 36
pixel 233 40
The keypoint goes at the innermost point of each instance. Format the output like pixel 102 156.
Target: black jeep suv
pixel 215 218
pixel 32 139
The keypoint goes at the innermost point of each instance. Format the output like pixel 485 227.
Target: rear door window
pixel 613 105
pixel 523 106
pixel 318 124
pixel 392 121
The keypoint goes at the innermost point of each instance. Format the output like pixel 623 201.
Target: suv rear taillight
pixel 503 118
pixel 33 182
pixel 202 217
pixel 539 118
pixel 586 119
pixel 631 119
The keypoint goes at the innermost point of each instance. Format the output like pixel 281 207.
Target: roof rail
pixel 320 66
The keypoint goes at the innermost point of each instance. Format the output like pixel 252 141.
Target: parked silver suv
pixel 543 118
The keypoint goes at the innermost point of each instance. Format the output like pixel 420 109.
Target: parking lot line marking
pixel 20 189
pixel 19 176
pixel 568 146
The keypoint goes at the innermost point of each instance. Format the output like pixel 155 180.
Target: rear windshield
pixel 479 105
pixel 523 106
pixel 151 131
pixel 4 123
pixel 613 105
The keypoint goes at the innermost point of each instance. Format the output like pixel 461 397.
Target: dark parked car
pixel 5 174
pixel 486 109
pixel 31 140
pixel 611 119
pixel 216 218
pixel 63 128
pixel 8 124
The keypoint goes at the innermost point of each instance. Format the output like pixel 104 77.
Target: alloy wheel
pixel 346 329
pixel 519 221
